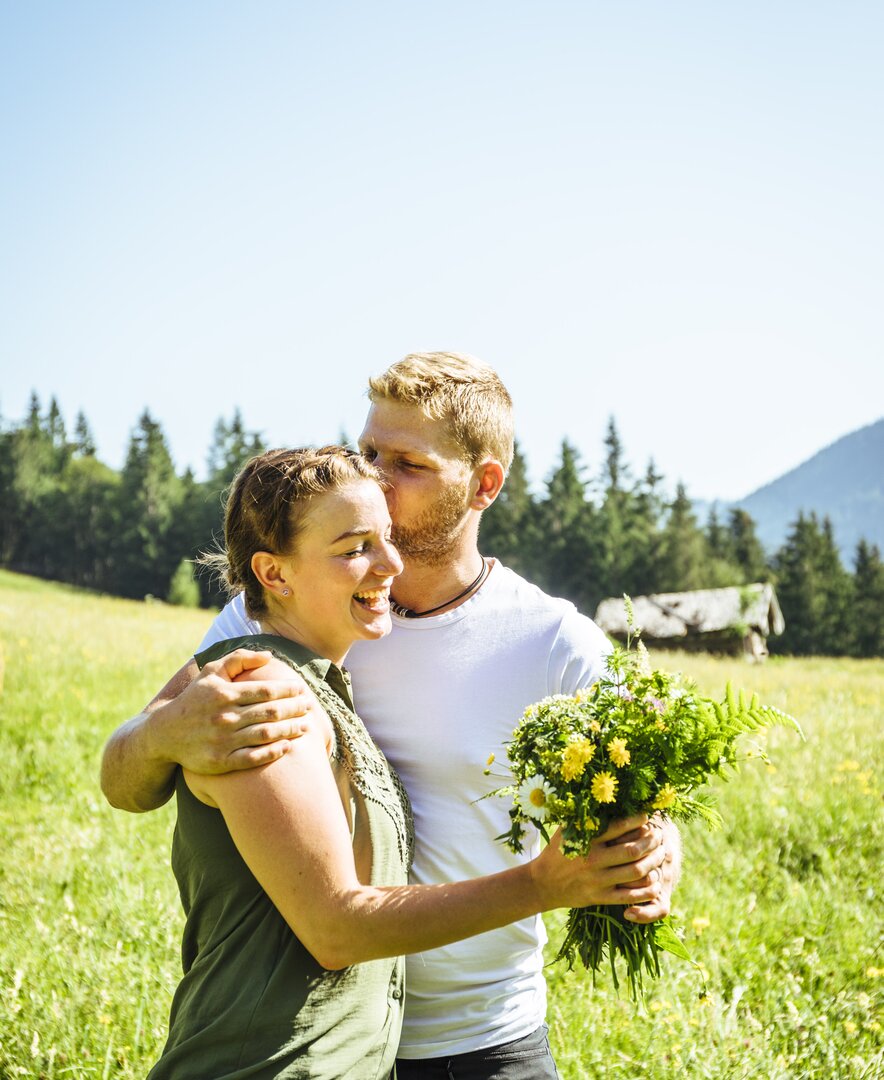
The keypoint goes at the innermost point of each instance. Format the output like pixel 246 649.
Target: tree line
pixel 134 532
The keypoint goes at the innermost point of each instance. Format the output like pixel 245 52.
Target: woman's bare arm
pixel 288 824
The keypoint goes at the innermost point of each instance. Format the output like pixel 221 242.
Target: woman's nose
pixel 390 560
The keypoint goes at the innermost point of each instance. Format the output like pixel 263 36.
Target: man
pixel 472 645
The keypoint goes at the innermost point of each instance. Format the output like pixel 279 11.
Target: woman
pixel 293 875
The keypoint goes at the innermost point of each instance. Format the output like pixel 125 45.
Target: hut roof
pixel 703 611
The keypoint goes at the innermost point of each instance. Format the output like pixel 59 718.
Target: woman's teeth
pixel 373 597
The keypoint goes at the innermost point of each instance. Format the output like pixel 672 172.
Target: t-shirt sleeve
pixel 578 654
pixel 231 622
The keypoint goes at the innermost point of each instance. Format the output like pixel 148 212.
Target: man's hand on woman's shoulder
pixel 239 712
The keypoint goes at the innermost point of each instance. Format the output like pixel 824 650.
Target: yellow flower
pixel 577 753
pixel 700 923
pixel 874 972
pixel 595 727
pixel 604 787
pixel 849 1027
pixel 665 798
pixel 618 753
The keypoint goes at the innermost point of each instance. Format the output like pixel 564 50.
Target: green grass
pixel 782 907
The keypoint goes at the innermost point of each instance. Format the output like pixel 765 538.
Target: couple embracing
pixel 331 818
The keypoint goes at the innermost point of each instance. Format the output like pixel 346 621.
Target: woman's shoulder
pixel 289 652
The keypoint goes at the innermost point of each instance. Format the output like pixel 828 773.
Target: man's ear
pixel 487 481
pixel 267 569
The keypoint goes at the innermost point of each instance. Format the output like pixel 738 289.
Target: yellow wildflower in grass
pixel 660 724
pixel 595 727
pixel 618 753
pixel 849 1027
pixel 874 972
pixel 604 787
pixel 849 766
pixel 700 923
pixel 665 798
pixel 577 753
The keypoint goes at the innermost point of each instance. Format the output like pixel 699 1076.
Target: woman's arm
pixel 288 823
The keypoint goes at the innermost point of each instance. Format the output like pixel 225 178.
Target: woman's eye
pixel 410 465
pixel 355 552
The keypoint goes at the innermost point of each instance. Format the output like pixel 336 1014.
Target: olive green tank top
pixel 253 1002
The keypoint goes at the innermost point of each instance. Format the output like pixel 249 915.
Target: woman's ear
pixel 269 571
pixel 488 480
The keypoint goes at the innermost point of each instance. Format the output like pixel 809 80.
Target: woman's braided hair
pixel 266 507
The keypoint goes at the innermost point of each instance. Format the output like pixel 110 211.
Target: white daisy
pixel 533 797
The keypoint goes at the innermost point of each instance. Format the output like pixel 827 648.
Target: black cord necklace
pixel 407 613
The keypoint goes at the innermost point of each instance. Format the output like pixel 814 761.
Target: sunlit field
pixel 782 908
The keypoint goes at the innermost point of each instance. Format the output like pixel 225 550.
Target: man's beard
pixel 433 537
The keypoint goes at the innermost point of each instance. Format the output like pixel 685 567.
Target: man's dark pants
pixel 524 1059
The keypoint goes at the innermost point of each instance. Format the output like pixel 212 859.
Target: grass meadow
pixel 782 908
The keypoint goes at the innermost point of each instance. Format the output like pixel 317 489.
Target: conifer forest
pixel 592 532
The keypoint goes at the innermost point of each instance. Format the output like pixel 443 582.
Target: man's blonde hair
pixel 460 390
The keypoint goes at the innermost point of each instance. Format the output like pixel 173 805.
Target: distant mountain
pixel 844 481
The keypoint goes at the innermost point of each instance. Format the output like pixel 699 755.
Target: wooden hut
pixel 735 620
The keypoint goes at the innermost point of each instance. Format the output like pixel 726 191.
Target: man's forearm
pixel 133 776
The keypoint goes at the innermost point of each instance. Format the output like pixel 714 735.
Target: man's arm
pixel 206 721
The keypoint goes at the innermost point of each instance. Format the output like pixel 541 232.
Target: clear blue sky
pixel 671 212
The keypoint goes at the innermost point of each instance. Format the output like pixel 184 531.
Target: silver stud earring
pixel 285 592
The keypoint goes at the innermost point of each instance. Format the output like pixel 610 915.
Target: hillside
pixel 844 481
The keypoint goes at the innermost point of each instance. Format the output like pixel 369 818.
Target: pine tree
pixel 836 587
pixel 867 608
pixel 84 443
pixel 510 528
pixel 232 445
pixel 813 590
pixel 30 477
pixel 616 557
pixel 745 547
pixel 722 568
pixel 150 495
pixel 682 563
pixel 569 560
pixel 643 514
pixel 34 422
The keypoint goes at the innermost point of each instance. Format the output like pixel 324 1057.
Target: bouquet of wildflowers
pixel 636 741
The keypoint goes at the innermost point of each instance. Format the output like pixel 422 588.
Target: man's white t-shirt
pixel 441 695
